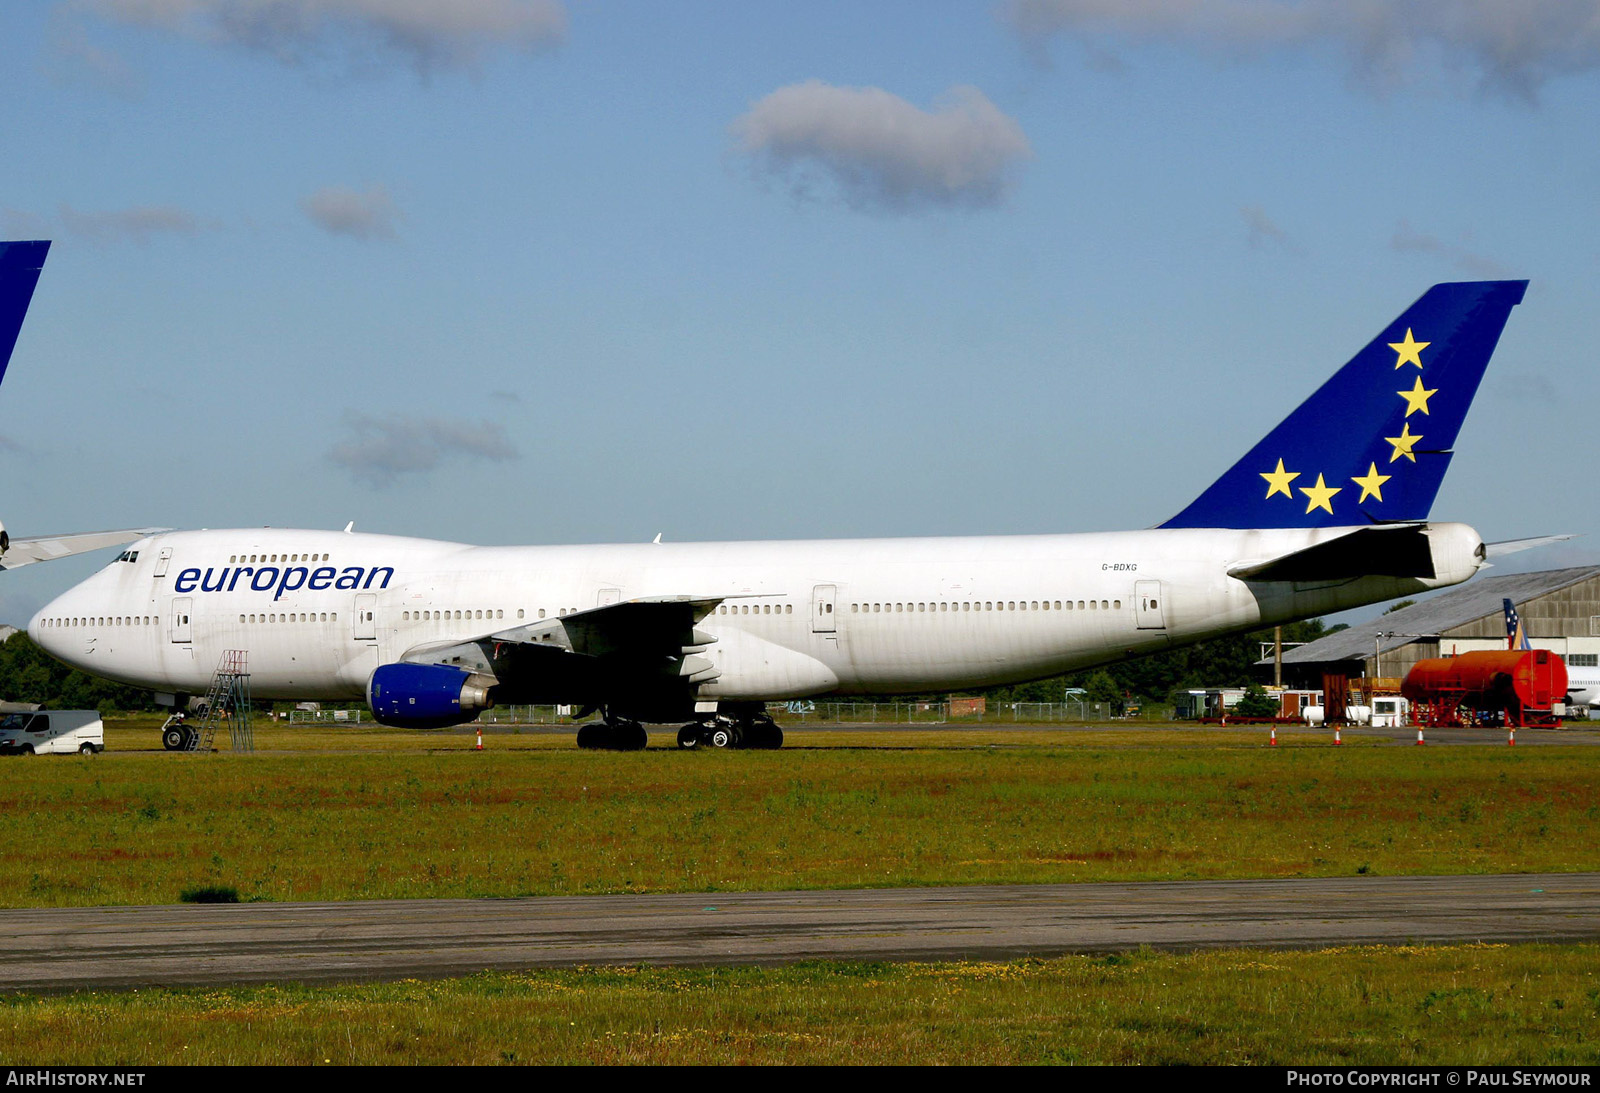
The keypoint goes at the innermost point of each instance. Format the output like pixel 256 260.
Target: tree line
pixel 1221 662
pixel 29 674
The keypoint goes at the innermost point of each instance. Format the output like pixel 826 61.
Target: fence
pixel 499 715
pixel 804 712
pixel 935 713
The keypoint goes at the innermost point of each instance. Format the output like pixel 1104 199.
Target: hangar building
pixel 1560 610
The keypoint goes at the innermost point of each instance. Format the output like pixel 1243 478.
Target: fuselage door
pixel 182 629
pixel 822 621
pixel 161 561
pixel 366 627
pixel 1148 596
pixel 608 596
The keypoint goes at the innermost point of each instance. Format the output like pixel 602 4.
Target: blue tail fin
pixel 1373 443
pixel 1516 637
pixel 20 264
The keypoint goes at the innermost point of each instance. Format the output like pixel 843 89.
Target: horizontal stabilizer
pixel 1392 550
pixel 1512 546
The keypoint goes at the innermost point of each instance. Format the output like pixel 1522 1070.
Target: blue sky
pixel 521 271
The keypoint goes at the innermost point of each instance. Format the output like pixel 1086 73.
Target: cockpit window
pixel 126 556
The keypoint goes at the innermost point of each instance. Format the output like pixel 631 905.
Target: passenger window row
pixel 250 559
pixel 435 616
pixel 293 616
pixel 756 609
pixel 117 620
pixel 987 605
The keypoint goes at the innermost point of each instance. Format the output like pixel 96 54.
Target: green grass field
pixel 1523 1004
pixel 398 815
pixel 373 813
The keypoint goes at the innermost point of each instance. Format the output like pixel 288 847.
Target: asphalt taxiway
pixel 58 949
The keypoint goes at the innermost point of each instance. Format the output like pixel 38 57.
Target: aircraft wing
pixel 655 625
pixel 645 640
pixel 43 548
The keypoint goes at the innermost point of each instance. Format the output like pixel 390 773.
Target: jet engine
pixel 426 696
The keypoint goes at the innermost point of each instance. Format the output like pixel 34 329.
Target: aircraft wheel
pixel 631 736
pixel 763 734
pixel 173 738
pixel 689 737
pixel 591 736
pixel 723 736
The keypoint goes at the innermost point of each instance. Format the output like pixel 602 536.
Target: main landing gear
pixel 747 731
pixel 613 734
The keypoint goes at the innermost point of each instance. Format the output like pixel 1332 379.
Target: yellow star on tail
pixel 1319 496
pixel 1278 480
pixel 1403 443
pixel 1410 350
pixel 1370 485
pixel 1417 397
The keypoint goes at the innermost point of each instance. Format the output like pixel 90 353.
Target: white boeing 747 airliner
pixel 1329 511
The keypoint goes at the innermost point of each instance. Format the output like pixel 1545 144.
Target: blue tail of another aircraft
pixel 1516 637
pixel 20 264
pixel 1372 444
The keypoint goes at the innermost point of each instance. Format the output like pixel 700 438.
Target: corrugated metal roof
pixel 1433 616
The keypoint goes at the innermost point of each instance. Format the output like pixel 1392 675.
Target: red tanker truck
pixel 1514 688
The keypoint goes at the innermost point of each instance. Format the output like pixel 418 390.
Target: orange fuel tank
pixel 1533 679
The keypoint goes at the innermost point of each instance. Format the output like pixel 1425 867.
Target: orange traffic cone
pixel 1336 740
pixel 1513 740
pixel 1274 741
pixel 1419 735
pixel 480 741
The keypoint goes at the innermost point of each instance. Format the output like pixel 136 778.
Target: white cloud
pixel 133 225
pixel 429 33
pixel 360 215
pixel 879 152
pixel 1513 46
pixel 75 59
pixel 380 450
pixel 21 224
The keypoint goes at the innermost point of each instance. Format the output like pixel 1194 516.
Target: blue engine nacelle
pixel 425 696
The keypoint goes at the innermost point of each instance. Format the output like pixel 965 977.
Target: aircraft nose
pixel 43 634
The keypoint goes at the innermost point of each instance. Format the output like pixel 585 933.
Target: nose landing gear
pixel 177 736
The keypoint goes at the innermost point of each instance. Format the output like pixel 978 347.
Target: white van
pixel 47 731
